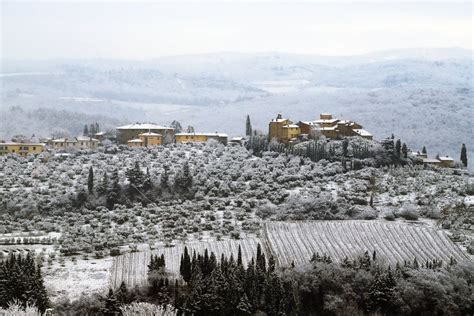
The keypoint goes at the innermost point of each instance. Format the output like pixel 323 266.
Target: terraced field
pixel 298 241
pixel 132 267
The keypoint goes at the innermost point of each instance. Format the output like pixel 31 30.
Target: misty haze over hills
pixel 424 97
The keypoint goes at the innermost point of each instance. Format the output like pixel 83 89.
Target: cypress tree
pixel 464 155
pixel 90 181
pixel 239 257
pixel 405 150
pixel 398 147
pixel 185 266
pixel 248 127
pixel 86 131
pixel 423 151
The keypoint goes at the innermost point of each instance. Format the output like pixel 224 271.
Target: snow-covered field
pixel 132 267
pixel 73 279
pixel 394 242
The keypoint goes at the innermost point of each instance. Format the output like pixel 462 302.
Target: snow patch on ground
pixel 74 279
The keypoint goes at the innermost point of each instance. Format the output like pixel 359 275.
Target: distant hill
pixel 423 96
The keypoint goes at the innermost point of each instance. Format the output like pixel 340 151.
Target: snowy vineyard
pixel 298 241
pixel 132 267
pixel 393 242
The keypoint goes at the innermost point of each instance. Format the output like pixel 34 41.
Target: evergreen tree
pixel 113 194
pixel 239 256
pixel 345 146
pixel 398 147
pixel 21 280
pixel 97 128
pixel 405 150
pixel 424 150
pixel 86 130
pixel 185 266
pixel 248 127
pixel 464 155
pixel 244 307
pixel 90 181
pixel 190 129
pixel 164 179
pixel 91 129
pixel 111 306
pixel 122 294
pixel 104 185
pixel 184 180
pixel 177 126
pixel 136 178
pixel 147 182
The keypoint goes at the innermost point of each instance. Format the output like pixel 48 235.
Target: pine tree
pixel 90 181
pixel 86 130
pixel 464 155
pixel 91 129
pixel 248 127
pixel 423 151
pixel 97 128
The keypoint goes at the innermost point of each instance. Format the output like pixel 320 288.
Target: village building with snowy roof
pixel 200 137
pixel 132 131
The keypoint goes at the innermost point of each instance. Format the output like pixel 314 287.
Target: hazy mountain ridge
pixel 423 96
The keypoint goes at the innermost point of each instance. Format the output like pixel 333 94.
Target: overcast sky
pixel 143 30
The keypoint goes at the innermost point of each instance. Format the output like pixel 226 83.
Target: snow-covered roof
pixel 326 121
pixel 445 158
pixel 430 160
pixel 147 126
pixel 280 120
pixel 202 134
pixel 149 134
pixel 240 138
pixel 22 144
pixel 64 140
pixel 362 132
pixel 135 141
pixel 86 139
pixel 330 128
pixel 291 126
pixel 99 133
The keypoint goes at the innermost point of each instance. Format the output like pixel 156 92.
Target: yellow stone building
pixel 148 139
pixel 283 130
pixel 200 137
pixel 333 128
pixel 133 131
pixel 22 149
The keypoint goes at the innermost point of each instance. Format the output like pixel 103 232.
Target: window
pixel 34 147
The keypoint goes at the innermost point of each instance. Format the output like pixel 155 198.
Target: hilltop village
pixel 137 135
